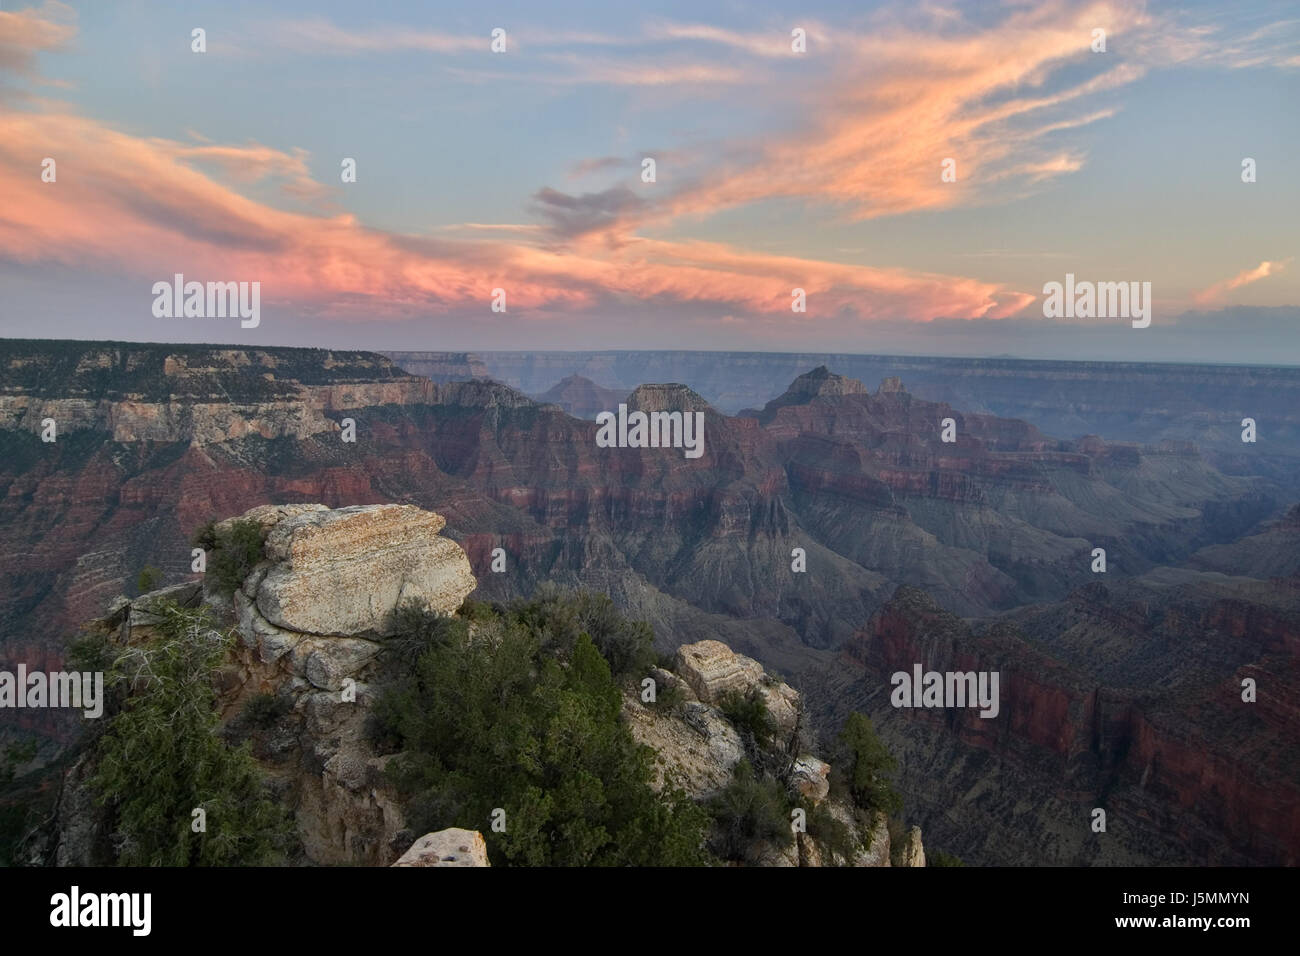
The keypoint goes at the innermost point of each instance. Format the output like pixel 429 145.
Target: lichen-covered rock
pixel 452 847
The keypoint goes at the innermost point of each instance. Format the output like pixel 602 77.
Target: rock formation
pixel 342 572
pixel 697 747
pixel 583 398
pixel 451 847
pixel 309 618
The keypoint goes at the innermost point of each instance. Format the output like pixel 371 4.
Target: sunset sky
pixel 522 170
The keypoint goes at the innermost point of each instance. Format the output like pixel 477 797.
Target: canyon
pixel 1119 689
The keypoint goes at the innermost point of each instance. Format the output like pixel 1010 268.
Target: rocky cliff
pixel 311 617
pixel 308 618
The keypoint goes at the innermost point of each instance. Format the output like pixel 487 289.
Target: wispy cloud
pixel 25 33
pixel 1246 277
pixel 868 130
pixel 325 37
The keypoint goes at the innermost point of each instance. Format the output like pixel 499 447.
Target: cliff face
pixel 193 394
pixel 1095 713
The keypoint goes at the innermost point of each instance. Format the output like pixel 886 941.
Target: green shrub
pixel 149 579
pixel 261 711
pixel 867 764
pixel 415 630
pixel 90 652
pixel 669 698
pixel 556 618
pixel 837 839
pixel 161 756
pixel 522 713
pixel 748 813
pixel 749 715
pixel 939 858
pixel 233 552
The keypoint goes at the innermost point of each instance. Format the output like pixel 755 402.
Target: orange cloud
pixel 1219 289
pixel 151 207
pixel 885 108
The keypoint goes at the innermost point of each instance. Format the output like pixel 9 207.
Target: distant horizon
pixel 387 352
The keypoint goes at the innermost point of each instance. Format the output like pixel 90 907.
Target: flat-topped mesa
pixel 670 397
pixel 199 394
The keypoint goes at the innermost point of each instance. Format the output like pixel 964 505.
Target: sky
pixel 775 169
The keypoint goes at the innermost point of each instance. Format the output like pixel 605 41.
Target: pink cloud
pixel 25 33
pixel 1219 289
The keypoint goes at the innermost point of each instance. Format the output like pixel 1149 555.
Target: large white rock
pixel 343 571
pixel 452 847
pixel 712 669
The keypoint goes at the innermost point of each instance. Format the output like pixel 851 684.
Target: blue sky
pixel 520 171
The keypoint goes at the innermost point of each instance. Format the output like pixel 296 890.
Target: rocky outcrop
pixel 313 611
pixel 329 583
pixel 342 572
pixel 913 851
pixel 713 670
pixel 452 847
pixel 697 749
